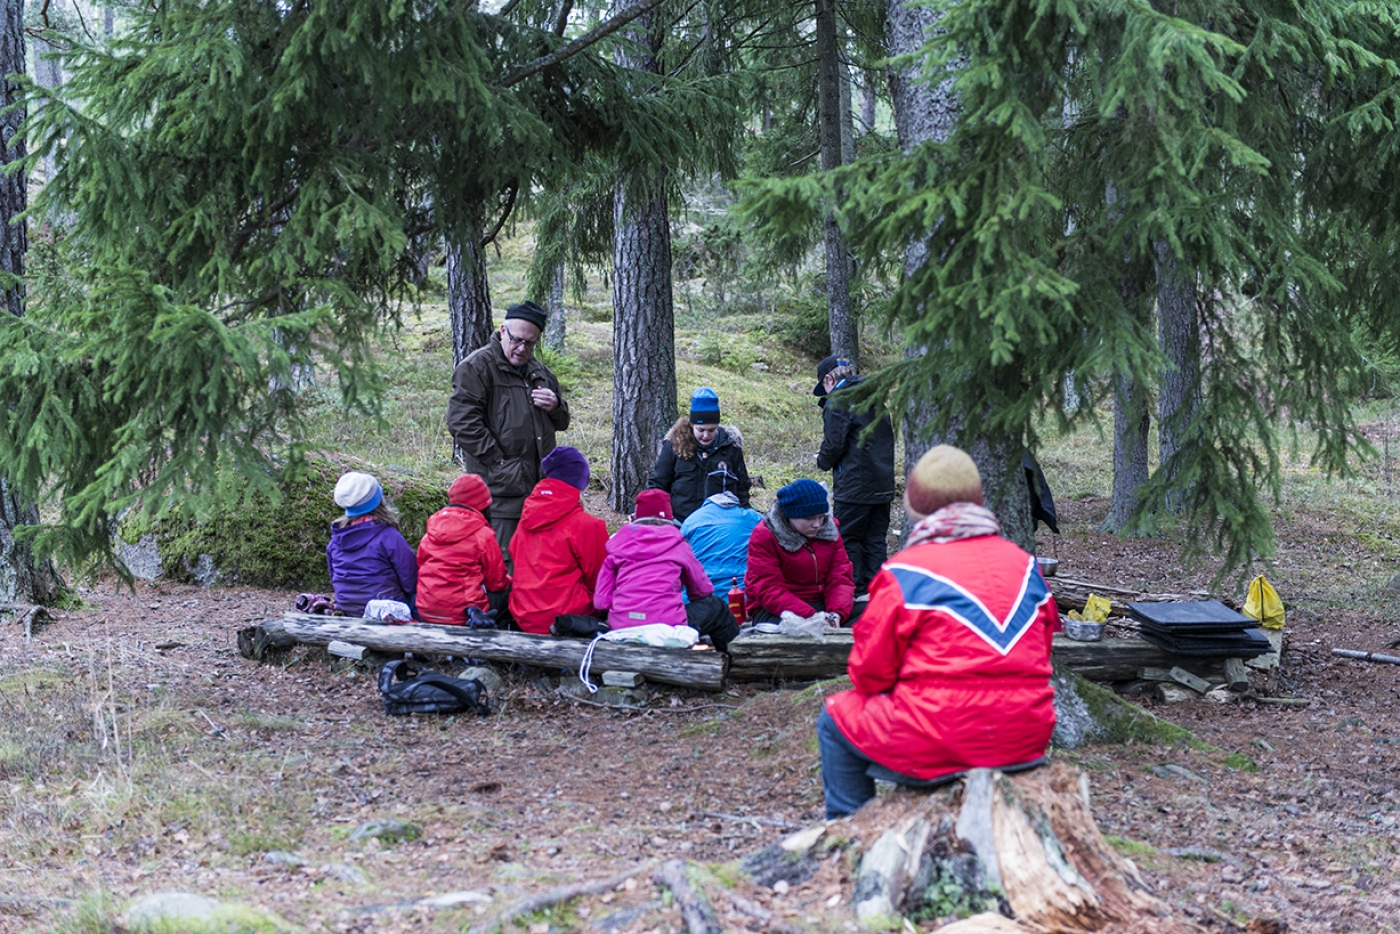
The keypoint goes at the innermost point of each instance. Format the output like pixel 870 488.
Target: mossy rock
pixel 283 546
pixel 1087 712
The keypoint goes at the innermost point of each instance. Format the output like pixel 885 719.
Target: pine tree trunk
pixel 1130 426
pixel 555 327
pixel 468 295
pixel 1131 419
pixel 24 578
pixel 644 330
pixel 921 113
pixel 867 103
pixel 47 74
pixel 1004 488
pixel 1180 337
pixel 833 128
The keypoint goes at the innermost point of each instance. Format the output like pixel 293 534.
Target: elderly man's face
pixel 518 340
pixel 704 433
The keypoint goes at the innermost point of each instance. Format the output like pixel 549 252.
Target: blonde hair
pixel 384 514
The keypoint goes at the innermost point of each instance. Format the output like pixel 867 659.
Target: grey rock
pixel 188 913
pixel 389 831
pixel 142 559
pixel 170 906
pixel 203 571
pixel 344 872
pixel 1177 772
pixel 1074 724
pixel 489 678
pixel 283 858
pixel 620 697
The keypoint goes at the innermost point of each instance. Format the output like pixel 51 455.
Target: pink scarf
pixel 953 523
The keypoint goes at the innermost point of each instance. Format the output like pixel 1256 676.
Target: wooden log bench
pixel 705 671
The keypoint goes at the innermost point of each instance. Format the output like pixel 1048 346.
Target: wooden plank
pixel 1182 676
pixel 1212 673
pixel 1236 675
pixel 702 670
pixel 1070 594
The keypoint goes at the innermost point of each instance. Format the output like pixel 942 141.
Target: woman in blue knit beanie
pixel 700 458
pixel 797 561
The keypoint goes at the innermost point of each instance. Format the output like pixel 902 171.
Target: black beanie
pixel 528 311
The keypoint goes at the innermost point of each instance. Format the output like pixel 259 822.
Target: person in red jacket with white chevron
pixel 951 664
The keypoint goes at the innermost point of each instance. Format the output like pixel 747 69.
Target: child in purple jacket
pixel 367 555
pixel 648 563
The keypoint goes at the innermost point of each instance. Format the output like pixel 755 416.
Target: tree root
pixel 558 896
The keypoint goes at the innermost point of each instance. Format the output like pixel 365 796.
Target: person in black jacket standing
pixel 700 457
pixel 862 470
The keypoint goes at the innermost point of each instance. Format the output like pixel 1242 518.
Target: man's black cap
pixel 823 368
pixel 528 311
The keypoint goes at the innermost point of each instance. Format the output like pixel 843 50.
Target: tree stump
pixel 1011 853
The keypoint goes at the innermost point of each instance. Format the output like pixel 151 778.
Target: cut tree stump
pixel 1021 853
pixel 701 670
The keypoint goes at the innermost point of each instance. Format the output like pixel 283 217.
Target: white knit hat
pixel 358 493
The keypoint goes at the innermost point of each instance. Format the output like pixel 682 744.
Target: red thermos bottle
pixel 736 604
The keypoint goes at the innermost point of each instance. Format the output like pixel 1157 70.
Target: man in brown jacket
pixel 505 408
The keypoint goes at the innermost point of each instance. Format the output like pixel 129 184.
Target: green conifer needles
pixel 246 189
pixel 1252 144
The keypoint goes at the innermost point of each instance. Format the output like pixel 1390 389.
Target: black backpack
pixel 406 691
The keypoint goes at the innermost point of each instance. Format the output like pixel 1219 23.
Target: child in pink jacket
pixel 648 564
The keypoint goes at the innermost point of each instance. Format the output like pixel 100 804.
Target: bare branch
pixel 570 49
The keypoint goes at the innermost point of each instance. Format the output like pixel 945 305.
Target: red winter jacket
pixel 951 664
pixel 557 550
pixel 458 561
pixel 788 571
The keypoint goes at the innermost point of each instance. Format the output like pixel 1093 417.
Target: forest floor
pixel 140 753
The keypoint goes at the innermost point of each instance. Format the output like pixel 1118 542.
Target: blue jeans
pixel 844 781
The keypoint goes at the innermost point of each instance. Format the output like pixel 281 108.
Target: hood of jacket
pixel 645 542
pixel 789 539
pixel 355 538
pixel 725 500
pixel 453 524
pixel 683 439
pixel 549 502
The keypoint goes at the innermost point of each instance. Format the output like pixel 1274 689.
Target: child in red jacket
pixel 558 548
pixel 460 564
pixel 797 561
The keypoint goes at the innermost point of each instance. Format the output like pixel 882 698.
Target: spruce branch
pixel 570 49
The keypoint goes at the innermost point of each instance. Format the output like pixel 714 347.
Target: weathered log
pixel 760 657
pixel 702 670
pixel 1367 656
pixel 1022 845
pixel 1120 659
pixel 699 916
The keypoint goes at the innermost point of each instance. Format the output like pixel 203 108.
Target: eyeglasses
pixel 518 342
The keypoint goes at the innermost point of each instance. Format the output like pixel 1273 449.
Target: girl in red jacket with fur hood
pixel 951 664
pixel 459 561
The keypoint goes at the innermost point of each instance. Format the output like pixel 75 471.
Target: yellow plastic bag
pixel 1264 604
pixel 1095 609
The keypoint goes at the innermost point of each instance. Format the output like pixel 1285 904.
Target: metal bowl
pixel 1082 630
pixel 1048 566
